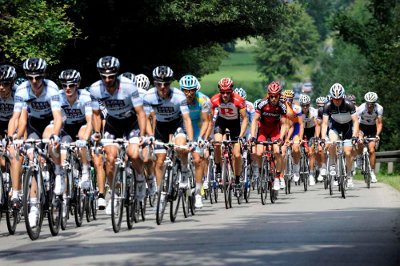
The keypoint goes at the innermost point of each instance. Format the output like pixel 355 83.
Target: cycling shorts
pixel 233 125
pixel 270 132
pixel 368 130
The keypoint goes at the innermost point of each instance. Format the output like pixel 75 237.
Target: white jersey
pixel 168 109
pixel 77 112
pixel 7 106
pixel 121 104
pixel 40 107
pixel 366 118
pixel 309 119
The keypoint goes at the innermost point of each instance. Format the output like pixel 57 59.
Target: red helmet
pixel 274 87
pixel 225 84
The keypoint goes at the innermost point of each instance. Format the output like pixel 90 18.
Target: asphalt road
pixel 304 228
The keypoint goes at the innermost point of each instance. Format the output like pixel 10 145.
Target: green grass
pixel 240 66
pixel 392 179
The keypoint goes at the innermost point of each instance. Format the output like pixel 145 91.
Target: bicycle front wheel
pixel 225 184
pixel 117 199
pixel 162 195
pixel 33 225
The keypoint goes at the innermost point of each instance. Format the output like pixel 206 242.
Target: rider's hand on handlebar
pixel 95 137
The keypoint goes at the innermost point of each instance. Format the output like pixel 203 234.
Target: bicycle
pixel 304 167
pixel 122 188
pixel 366 165
pixel 288 174
pixel 13 217
pixel 169 190
pixel 340 173
pixel 47 201
pixel 246 173
pixel 268 172
pixel 212 187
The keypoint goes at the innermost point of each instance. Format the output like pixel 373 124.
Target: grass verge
pixel 392 179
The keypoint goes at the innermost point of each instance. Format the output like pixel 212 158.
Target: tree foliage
pixel 35 29
pixel 295 43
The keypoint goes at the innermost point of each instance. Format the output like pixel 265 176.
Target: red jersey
pixel 229 110
pixel 270 113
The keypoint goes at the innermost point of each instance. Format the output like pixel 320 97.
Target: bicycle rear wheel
pixel 12 216
pixel 367 172
pixel 263 182
pixel 225 184
pixel 342 185
pixel 55 212
pixel 173 212
pixel 79 207
pixel 117 199
pixel 162 195
pixel 132 206
pixel 32 176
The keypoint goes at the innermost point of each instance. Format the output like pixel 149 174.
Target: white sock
pixel 85 168
pixel 15 194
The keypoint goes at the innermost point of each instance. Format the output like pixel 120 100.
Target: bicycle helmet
pixel 225 84
pixel 108 65
pixel 69 76
pixel 241 92
pixel 7 73
pixel 371 97
pixel 163 74
pixel 129 75
pixel 34 66
pixel 19 81
pixel 288 94
pixel 142 81
pixel 189 82
pixel 274 87
pixel 336 91
pixel 321 100
pixel 304 99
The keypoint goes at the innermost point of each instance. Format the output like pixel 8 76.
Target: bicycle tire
pixel 304 172
pixel 162 195
pixel 33 232
pixel 367 172
pixel 54 212
pixel 79 206
pixel 173 212
pixel 64 219
pixel 117 199
pixel 12 216
pixel 133 211
pixel 185 203
pixel 225 184
pixel 143 207
pixel 263 182
pixel 132 206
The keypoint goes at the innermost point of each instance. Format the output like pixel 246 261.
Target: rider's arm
pixel 210 127
pixel 96 121
pixel 356 124
pixel 13 124
pixel 188 125
pixel 285 127
pixel 379 125
pixel 205 124
pixel 89 127
pixel 245 121
pixel 324 128
pixel 141 117
pixel 317 131
pixel 301 124
pixel 254 124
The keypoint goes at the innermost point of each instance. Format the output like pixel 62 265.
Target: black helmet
pixel 7 73
pixel 163 74
pixel 33 66
pixel 129 75
pixel 108 65
pixel 69 76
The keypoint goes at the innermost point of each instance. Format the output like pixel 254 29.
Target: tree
pixel 295 43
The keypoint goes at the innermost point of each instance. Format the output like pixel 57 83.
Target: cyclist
pixel 142 83
pixel 270 122
pixel 230 111
pixel 7 90
pixel 321 158
pixel 309 115
pixel 76 106
pixel 341 118
pixel 295 133
pixel 125 119
pixel 352 98
pixel 171 115
pixel 41 98
pixel 200 108
pixel 370 116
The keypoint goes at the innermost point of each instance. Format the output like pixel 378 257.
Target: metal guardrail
pixel 388 157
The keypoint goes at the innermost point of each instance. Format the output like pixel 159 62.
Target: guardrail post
pixel 377 167
pixel 390 167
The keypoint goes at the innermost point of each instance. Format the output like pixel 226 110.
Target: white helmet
pixel 337 91
pixel 371 97
pixel 321 100
pixel 304 99
pixel 142 81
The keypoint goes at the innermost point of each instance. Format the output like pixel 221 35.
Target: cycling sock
pixel 58 169
pixel 85 168
pixel 15 194
pixel 218 167
pixel 237 179
pixel 198 188
pixel 101 196
pixel 278 174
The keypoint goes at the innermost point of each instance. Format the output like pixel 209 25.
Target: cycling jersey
pixel 201 104
pixel 293 113
pixel 367 118
pixel 250 111
pixel 7 106
pixel 79 110
pixel 320 113
pixel 121 104
pixel 341 114
pixel 227 114
pixel 309 118
pixel 270 114
pixel 39 107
